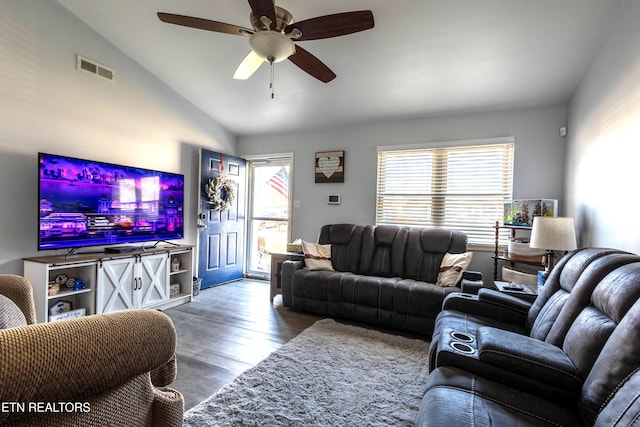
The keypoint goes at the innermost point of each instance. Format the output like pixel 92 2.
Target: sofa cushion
pixel 452 267
pixel 623 409
pixel 426 248
pixel 316 256
pixel 383 251
pixel 414 299
pixel 566 275
pixel 346 245
pixel 457 398
pixel 10 315
pixel 612 324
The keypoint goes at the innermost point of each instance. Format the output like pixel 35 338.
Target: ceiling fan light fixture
pixel 272 46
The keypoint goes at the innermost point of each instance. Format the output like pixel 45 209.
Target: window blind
pixel 462 188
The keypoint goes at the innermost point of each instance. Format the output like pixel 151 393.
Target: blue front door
pixel 221 231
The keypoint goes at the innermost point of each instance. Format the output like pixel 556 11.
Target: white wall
pixel 603 170
pixel 47 105
pixel 539 161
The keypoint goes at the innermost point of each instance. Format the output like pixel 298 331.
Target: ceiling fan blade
pixel 262 8
pixel 248 66
pixel 339 24
pixel 204 24
pixel 312 65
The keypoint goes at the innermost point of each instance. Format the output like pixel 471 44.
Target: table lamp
pixel 552 234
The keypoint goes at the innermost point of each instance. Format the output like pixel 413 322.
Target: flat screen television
pixel 89 203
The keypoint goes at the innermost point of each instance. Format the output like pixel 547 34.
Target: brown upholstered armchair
pixel 102 370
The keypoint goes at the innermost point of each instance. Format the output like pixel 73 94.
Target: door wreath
pixel 221 192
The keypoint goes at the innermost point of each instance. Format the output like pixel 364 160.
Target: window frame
pixel 438 199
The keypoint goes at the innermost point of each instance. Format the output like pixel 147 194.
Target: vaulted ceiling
pixel 422 58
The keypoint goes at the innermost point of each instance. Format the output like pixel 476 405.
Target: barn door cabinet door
pixel 129 283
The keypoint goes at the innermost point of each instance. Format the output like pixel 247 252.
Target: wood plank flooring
pixel 226 330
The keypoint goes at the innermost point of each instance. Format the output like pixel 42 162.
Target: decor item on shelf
pixel 522 212
pixel 175 264
pixel 518 249
pixel 61 307
pixel 61 279
pixel 54 288
pixel 329 166
pixel 221 192
pixel 174 289
pixel 79 284
pixel 513 275
pixel 66 315
pixel 552 234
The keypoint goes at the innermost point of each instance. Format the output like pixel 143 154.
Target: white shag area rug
pixel 330 375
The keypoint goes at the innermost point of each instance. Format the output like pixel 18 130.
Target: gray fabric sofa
pixel 384 275
pixel 570 358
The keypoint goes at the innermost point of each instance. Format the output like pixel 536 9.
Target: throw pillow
pixel 317 257
pixel 452 267
pixel 10 315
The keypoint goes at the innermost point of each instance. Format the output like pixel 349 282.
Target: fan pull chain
pixel 271 83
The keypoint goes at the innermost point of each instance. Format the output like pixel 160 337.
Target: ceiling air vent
pixel 96 69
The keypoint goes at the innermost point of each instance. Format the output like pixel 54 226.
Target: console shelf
pixel 496 254
pixel 114 281
pixel 65 294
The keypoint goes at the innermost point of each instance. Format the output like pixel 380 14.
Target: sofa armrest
pixel 165 374
pixel 494 305
pixel 504 300
pixel 289 267
pixel 19 290
pixel 528 357
pixel 75 359
pixel 471 282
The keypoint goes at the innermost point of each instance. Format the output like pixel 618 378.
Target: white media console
pixel 158 278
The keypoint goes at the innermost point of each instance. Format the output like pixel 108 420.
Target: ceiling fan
pixel 274 31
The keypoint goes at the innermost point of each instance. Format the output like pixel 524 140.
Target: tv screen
pixel 88 203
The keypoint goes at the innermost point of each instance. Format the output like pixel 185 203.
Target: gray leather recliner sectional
pixel 384 275
pixel 571 358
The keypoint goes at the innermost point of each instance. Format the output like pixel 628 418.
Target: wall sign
pixel 329 166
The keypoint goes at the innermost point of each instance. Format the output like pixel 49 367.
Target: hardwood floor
pixel 226 330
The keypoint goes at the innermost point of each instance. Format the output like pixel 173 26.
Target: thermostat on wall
pixel 334 199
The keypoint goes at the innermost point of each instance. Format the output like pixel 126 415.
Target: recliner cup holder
pixel 462 337
pixel 462 347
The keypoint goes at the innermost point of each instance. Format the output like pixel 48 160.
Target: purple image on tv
pixel 87 203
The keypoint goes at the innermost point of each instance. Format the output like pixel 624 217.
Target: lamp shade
pixel 553 233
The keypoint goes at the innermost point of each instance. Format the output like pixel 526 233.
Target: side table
pixel 277 259
pixel 527 292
